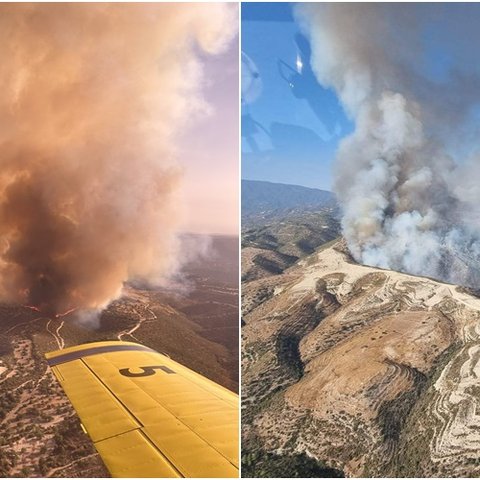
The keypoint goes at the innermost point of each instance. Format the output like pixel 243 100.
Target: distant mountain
pixel 220 252
pixel 266 198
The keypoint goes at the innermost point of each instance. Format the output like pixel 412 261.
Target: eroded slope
pixel 372 371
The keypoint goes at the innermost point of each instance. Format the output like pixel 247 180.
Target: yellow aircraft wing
pixel 147 415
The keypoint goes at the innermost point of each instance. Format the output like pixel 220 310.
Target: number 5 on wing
pixel 146 371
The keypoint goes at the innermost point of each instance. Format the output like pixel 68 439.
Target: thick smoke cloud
pixel 92 98
pixel 409 193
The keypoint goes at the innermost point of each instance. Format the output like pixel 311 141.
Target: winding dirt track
pixel 56 333
pixel 141 320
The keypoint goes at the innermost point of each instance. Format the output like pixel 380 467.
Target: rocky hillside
pixel 370 372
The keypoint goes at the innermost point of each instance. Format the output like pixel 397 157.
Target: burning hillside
pixel 406 177
pixel 93 97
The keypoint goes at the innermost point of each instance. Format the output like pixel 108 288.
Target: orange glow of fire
pixel 59 315
pixel 32 307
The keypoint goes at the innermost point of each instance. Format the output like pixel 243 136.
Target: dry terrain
pixel 271 247
pixel 365 371
pixel 283 223
pixel 196 325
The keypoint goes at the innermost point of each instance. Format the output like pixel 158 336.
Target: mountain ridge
pixel 258 195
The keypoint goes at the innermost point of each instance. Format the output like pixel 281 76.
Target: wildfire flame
pixel 32 307
pixel 57 315
pixel 64 314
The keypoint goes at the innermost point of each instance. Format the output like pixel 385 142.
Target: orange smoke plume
pixel 92 98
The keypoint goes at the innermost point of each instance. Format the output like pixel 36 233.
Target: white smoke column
pixel 93 99
pixel 393 177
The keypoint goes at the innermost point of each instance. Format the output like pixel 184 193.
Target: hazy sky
pixel 209 150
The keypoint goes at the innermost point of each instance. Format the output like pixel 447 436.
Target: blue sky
pixel 291 128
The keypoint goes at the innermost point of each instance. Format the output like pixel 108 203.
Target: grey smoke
pixel 407 176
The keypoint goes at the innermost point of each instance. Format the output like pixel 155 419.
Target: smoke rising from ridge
pixel 408 192
pixel 93 96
